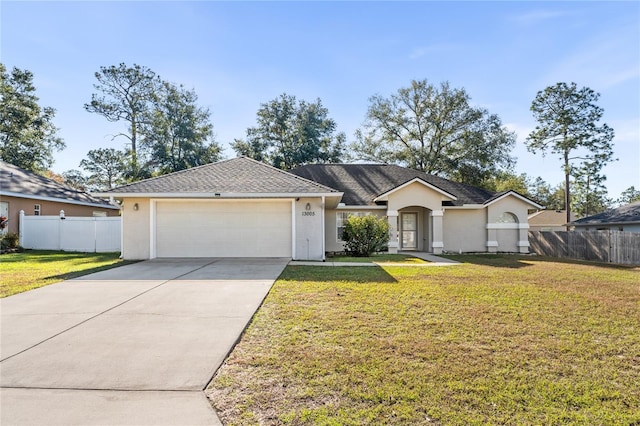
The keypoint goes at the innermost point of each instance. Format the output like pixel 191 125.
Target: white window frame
pixel 37 210
pixel 341 217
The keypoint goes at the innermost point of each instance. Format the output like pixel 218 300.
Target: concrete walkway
pixel 432 259
pixel 133 345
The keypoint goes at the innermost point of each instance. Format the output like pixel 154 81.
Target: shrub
pixel 9 241
pixel 365 235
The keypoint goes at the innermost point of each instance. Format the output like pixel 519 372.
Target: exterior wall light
pixel 136 207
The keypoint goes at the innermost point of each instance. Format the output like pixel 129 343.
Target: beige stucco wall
pixel 508 237
pixel 331 230
pixel 308 226
pixel 47 208
pixel 415 194
pixel 136 229
pixel 465 230
pixel 508 204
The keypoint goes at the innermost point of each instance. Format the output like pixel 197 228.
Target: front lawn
pixel 497 340
pixel 32 269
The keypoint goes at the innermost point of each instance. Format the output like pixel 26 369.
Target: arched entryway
pixel 414 229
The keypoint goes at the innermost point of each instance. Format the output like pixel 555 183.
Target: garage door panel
pixel 223 229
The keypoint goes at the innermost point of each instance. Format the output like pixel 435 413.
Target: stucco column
pixel 492 239
pixel 523 237
pixel 392 217
pixel 438 231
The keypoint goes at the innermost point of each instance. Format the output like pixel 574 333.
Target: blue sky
pixel 237 55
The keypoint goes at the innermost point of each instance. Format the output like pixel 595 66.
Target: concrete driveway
pixel 131 345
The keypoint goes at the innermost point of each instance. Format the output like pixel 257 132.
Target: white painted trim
pixel 465 207
pixel 345 207
pixel 385 196
pixel 393 244
pixel 57 200
pixel 392 213
pixel 492 244
pixel 518 196
pixel 293 229
pixel 324 236
pixel 220 195
pixel 523 243
pixel 152 229
pixel 122 234
pixel 512 225
pixel 436 213
pixel 222 200
pixel 437 244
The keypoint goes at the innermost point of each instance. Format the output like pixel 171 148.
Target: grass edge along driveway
pixel 37 268
pixel 497 340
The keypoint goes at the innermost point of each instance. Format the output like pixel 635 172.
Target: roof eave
pixel 58 200
pixel 217 195
pixel 634 222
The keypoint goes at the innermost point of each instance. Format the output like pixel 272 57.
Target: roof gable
pixel 420 181
pixel 510 193
pixel 238 176
pixel 18 182
pixel 363 183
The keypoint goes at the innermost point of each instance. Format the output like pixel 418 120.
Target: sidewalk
pixel 432 259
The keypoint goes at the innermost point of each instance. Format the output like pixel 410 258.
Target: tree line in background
pixel 432 128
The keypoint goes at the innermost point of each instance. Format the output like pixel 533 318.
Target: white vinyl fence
pixel 83 234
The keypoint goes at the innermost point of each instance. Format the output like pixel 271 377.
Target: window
pixel 341 218
pixel 507 218
pixel 36 210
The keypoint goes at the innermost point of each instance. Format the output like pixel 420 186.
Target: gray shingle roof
pixel 629 213
pixel 14 180
pixel 236 176
pixel 362 183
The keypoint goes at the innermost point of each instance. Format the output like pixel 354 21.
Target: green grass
pixel 378 258
pixel 497 340
pixel 32 269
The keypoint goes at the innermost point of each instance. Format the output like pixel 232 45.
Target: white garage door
pixel 223 229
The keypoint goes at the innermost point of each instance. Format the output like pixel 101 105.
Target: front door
pixel 409 231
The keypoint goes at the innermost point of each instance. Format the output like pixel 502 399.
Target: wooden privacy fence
pixel 83 234
pixel 601 246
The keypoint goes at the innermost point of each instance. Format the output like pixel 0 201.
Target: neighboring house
pixel 624 218
pixel 38 196
pixel 245 208
pixel 549 220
